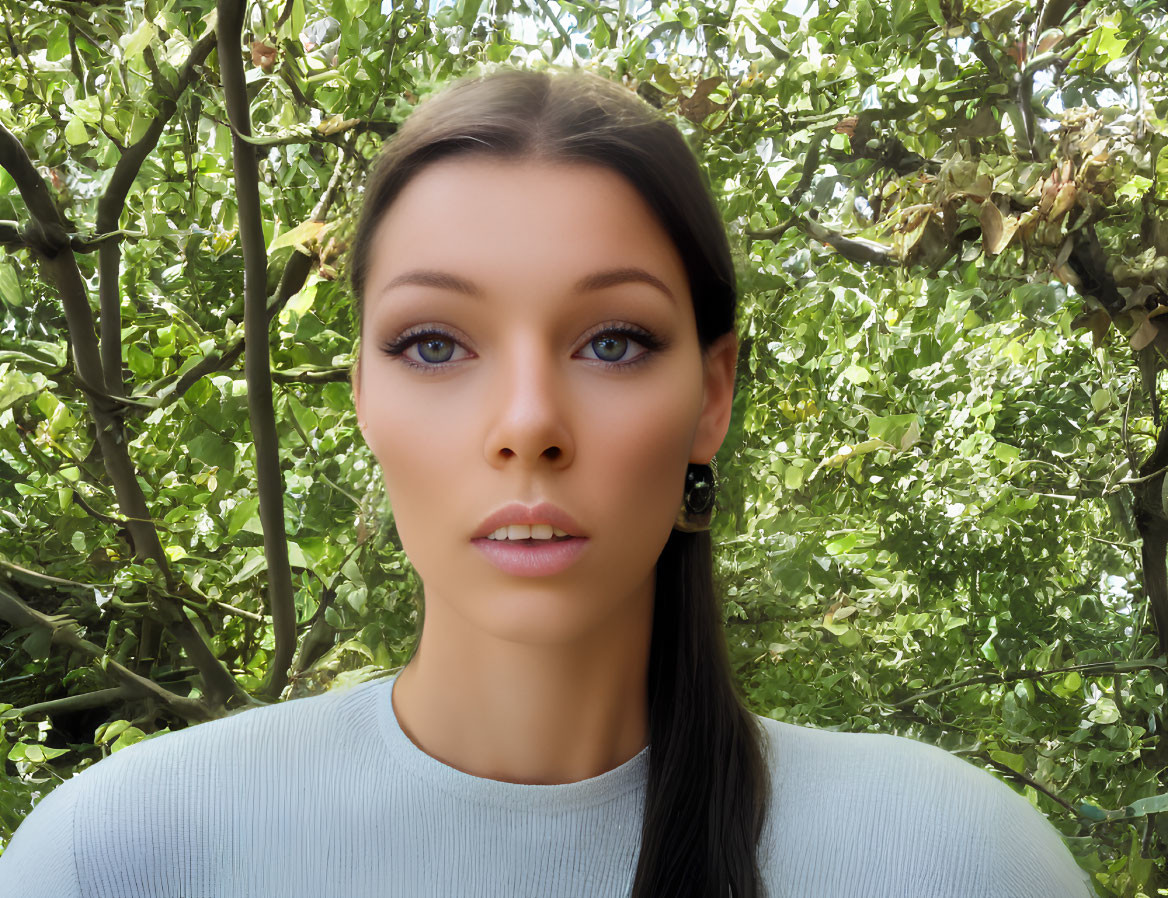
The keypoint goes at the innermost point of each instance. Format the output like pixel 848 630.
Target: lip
pixel 516 513
pixel 526 560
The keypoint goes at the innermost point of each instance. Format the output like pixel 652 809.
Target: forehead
pixel 505 222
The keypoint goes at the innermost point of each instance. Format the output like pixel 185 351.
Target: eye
pixel 435 348
pixel 611 345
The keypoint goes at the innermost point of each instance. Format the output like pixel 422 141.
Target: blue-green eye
pixel 436 347
pixel 611 346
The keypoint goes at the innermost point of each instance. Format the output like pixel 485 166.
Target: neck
pixel 541 714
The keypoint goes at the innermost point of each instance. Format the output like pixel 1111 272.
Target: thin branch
pixel 810 166
pixel 854 248
pixel 72 703
pixel 1132 462
pixel 1029 781
pixel 297 134
pixel 1097 668
pixel 64 632
pixel 312 375
pixel 296 271
pixel 773 233
pixel 1144 479
pixel 284 14
pixel 547 11
pixel 109 212
pixel 39 579
pixel 238 612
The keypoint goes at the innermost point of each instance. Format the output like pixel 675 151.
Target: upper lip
pixel 515 513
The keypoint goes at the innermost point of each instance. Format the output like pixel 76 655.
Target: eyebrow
pixel 599 280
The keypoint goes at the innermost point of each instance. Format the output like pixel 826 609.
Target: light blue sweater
pixel 326 797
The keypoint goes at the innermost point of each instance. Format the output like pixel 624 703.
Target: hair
pixel 708 783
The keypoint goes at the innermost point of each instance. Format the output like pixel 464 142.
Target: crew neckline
pixel 586 793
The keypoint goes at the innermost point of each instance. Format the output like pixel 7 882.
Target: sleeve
pixel 39 861
pixel 1031 861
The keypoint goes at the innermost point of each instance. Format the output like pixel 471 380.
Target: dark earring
pixel 698 507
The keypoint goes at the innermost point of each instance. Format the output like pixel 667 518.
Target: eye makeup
pixel 397 347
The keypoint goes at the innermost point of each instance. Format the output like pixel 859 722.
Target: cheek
pixel 422 446
pixel 636 453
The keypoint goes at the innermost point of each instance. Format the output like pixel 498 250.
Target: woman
pixel 546 368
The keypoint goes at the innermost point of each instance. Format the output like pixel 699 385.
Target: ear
pixel 721 365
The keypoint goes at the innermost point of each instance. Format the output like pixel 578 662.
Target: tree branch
pixel 46 233
pixel 1029 781
pixel 64 632
pixel 109 212
pixel 257 364
pixel 854 248
pixel 312 375
pixel 73 703
pixel 296 271
pixel 60 268
pixel 1097 668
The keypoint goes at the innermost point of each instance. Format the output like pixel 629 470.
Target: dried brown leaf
pixel 1145 333
pixel 997 231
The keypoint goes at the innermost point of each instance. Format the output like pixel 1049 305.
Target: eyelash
pixel 396 348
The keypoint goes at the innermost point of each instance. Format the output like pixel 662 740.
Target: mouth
pixel 547 522
pixel 532 557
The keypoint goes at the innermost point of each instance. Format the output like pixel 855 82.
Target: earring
pixel 700 488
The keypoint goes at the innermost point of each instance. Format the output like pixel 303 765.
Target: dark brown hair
pixel 708 784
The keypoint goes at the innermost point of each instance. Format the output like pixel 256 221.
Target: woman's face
pixel 525 386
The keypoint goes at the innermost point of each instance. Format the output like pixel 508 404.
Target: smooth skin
pixel 538 680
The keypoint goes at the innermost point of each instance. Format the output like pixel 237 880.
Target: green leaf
pixel 215 452
pixel 76 132
pixel 857 375
pixel 10 290
pixel 1015 762
pixel 130 736
pixel 243 513
pixel 134 43
pixel 1153 804
pixel 843 544
pixel 109 731
pixel 296 556
pixel 1104 711
pixel 901 431
pixel 850 638
pixel 255 563
pixel 16 386
pixel 1006 453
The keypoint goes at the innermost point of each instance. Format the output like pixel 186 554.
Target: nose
pixel 530 408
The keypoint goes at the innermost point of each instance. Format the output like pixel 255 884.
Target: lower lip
pixel 523 560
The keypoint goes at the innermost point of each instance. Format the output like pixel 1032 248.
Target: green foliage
pixel 951 222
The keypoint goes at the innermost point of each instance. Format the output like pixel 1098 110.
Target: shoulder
pixel 38 861
pixel 260 735
pixel 143 806
pixel 916 820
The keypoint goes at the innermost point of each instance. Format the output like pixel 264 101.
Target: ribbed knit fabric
pixel 326 797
